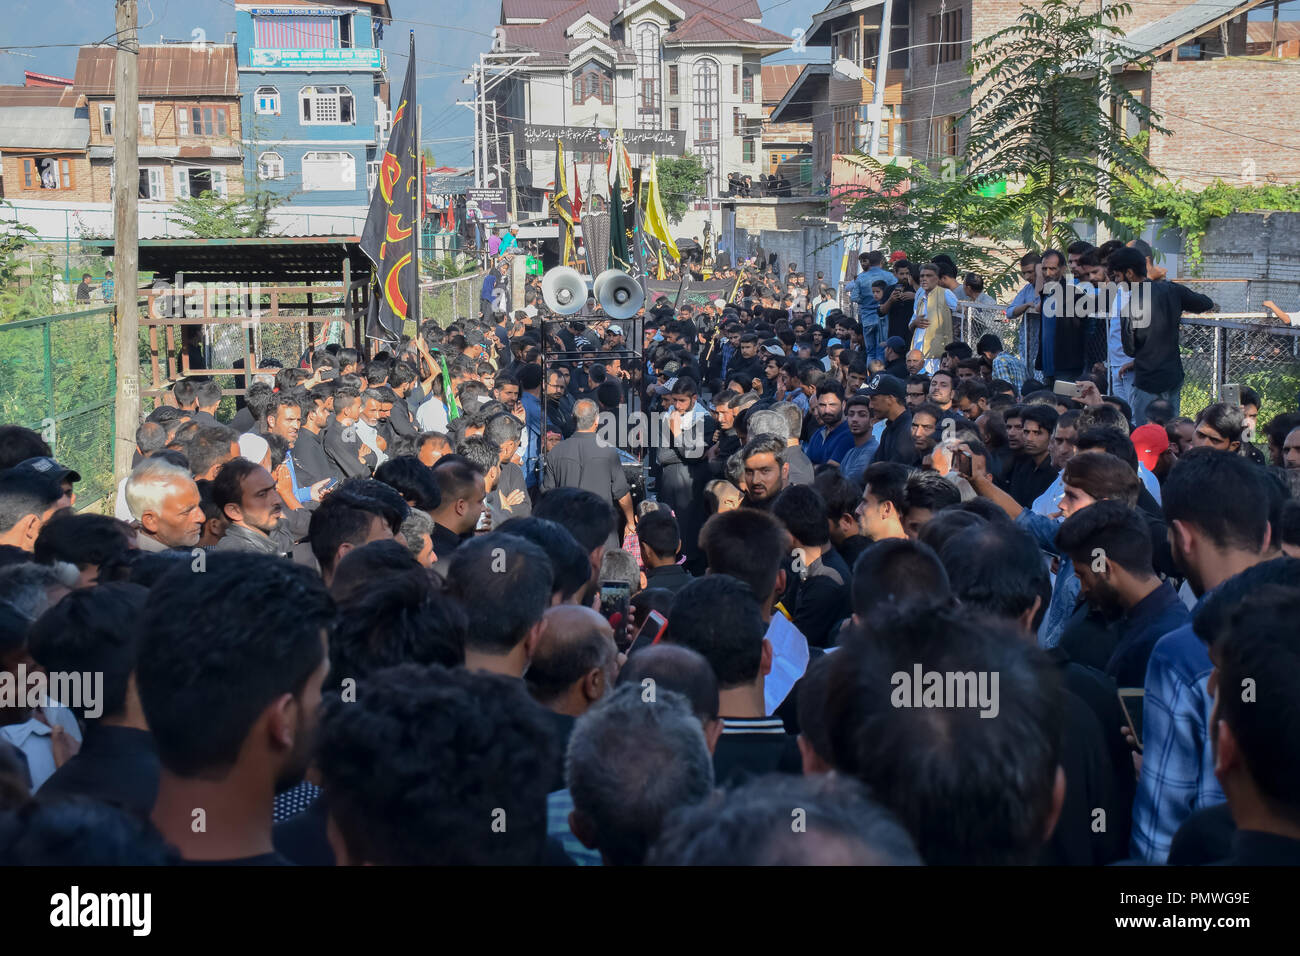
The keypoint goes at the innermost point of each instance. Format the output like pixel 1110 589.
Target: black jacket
pixel 1150 334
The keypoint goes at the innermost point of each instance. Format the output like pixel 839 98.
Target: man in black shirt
pixel 719 616
pixel 237 729
pixel 310 463
pixel 660 543
pixel 817 593
pixel 1150 330
pixel 1032 472
pixel 888 399
pixel 343 445
pixel 95 630
pixel 1254 736
pixel 463 488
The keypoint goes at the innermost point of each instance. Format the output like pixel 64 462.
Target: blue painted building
pixel 314 95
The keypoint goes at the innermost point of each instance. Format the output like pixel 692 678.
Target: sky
pixel 448 39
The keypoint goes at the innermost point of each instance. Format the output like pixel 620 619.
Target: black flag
pixel 390 238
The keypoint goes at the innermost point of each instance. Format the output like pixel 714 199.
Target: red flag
pixel 577 194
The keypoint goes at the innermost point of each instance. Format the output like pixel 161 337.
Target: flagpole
pixel 418 218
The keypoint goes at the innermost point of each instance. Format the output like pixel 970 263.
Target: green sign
pixel 331 58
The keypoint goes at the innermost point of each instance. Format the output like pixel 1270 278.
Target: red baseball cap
pixel 896 255
pixel 1150 442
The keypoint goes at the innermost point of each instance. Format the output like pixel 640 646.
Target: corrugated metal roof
pixel 38 96
pixel 1261 31
pixel 171 70
pixel 606 9
pixel 804 95
pixel 1185 22
pixel 43 127
pixel 777 78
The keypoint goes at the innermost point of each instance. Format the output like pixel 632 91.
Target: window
pixel 705 92
pixel 672 81
pixel 844 45
pixel 295 33
pixel 945 38
pixel 327 106
pixel 747 87
pixel 48 172
pixel 345 30
pixel 900 37
pixel 735 79
pixel 194 181
pixel 321 170
pixel 270 166
pixel 593 82
pixel 106 120
pixel 146 119
pixel 372 174
pixel 843 119
pixel 201 120
pixel 647 73
pixel 151 183
pixel 737 121
pixel 747 149
pixel 943 136
pixel 674 118
pixel 266 101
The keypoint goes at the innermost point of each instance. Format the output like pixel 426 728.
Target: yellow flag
pixel 655 221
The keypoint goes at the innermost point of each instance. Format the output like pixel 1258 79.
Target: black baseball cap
pixel 883 384
pixel 44 465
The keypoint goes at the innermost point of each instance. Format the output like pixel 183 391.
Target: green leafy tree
pixel 922 213
pixel 681 179
pixel 15 236
pixel 1045 98
pixel 1192 211
pixel 208 216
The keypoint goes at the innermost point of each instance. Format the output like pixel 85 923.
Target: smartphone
pixel 1130 701
pixel 484 522
pixel 963 463
pixel 1230 394
pixel 1068 389
pixel 328 485
pixel 651 631
pixel 614 599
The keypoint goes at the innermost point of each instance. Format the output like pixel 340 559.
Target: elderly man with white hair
pixel 164 504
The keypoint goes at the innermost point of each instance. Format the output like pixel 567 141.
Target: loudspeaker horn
pixel 619 295
pixel 564 290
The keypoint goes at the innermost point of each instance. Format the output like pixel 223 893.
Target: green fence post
pixel 49 369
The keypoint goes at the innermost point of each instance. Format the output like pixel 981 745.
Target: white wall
pixel 56 222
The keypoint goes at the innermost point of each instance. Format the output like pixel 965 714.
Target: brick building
pixel 189 120
pixel 1203 61
pixel 787 147
pixel 44 134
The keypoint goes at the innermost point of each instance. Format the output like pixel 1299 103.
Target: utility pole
pixel 514 190
pixel 126 233
pixel 882 72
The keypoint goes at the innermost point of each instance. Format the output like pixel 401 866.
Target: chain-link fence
pixel 57 376
pixel 450 300
pixel 1249 349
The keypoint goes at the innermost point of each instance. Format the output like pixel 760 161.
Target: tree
pixel 208 216
pixel 913 210
pixel 1043 114
pixel 680 181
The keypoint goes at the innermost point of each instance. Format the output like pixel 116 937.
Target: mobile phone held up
pixel 1067 389
pixel 614 599
pixel 650 633
pixel 1130 701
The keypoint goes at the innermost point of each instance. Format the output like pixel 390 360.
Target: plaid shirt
pixel 1177 762
pixel 1010 369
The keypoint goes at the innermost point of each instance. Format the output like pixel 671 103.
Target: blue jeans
pixel 1140 400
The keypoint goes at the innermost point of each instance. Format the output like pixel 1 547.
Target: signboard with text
pixel 338 58
pixel 591 139
pixel 486 205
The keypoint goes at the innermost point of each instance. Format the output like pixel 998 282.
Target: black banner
pixel 389 238
pixel 591 139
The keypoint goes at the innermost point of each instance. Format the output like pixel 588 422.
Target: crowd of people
pixel 887 597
